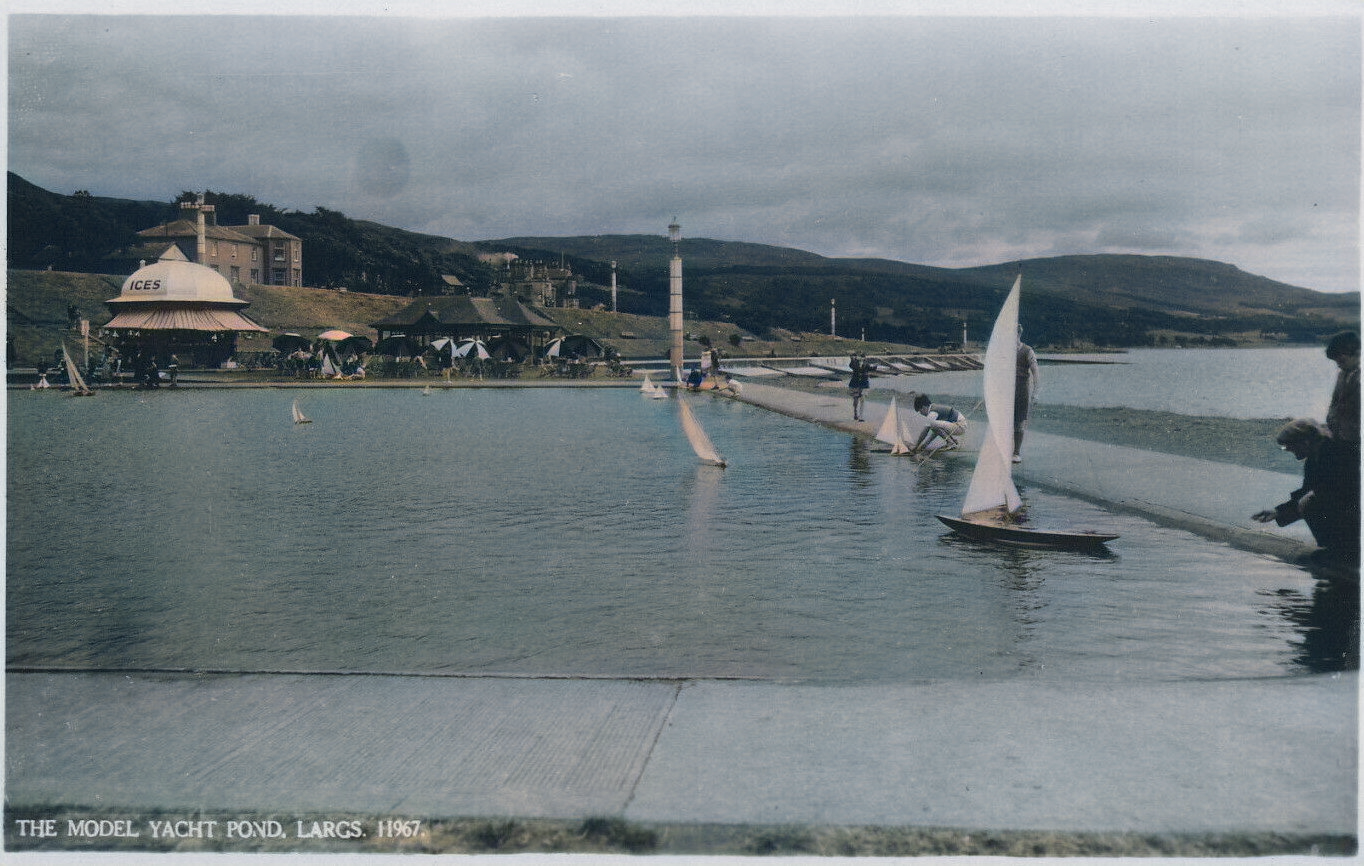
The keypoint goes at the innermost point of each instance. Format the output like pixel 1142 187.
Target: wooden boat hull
pixel 1019 536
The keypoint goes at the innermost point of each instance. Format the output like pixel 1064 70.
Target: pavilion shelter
pixel 499 321
pixel 174 311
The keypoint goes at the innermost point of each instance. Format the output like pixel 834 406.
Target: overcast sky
pixel 936 140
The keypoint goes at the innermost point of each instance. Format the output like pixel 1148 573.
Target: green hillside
pixel 1069 301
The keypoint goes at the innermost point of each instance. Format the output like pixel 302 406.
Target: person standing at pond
pixel 1328 499
pixel 1025 391
pixel 1342 418
pixel 859 382
pixel 944 423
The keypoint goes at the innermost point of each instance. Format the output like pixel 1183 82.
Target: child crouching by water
pixel 944 423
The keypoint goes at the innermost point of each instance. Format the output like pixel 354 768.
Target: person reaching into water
pixel 1329 497
pixel 1025 391
pixel 944 423
pixel 695 378
pixel 859 382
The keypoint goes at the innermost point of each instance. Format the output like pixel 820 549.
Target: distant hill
pixel 1102 300
pixel 1069 301
pixel 84 233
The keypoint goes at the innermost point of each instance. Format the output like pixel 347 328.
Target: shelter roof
pixel 183 319
pixel 173 280
pixel 188 228
pixel 455 311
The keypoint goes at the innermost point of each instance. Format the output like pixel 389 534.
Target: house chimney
pixel 253 219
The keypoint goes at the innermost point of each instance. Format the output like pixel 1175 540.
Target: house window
pixel 215 248
pixel 234 251
pixel 297 254
pixel 277 276
pixel 236 274
pixel 255 275
pixel 255 253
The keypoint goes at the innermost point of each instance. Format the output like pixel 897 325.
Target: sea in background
pixel 571 532
pixel 1224 383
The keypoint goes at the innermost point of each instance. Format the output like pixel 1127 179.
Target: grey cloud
pixel 943 141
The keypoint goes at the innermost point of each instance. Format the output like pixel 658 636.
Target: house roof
pixel 188 228
pixel 264 231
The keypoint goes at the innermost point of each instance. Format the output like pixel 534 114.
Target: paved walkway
pixel 1212 499
pixel 1162 758
pixel 1222 757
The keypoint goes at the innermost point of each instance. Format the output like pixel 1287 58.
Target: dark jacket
pixel 1331 475
pixel 861 371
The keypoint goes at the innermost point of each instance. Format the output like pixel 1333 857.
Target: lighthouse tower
pixel 675 302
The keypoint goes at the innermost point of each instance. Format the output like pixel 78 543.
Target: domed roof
pixel 174 278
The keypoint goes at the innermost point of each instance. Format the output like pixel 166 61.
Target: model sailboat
pixel 299 417
pixel 649 389
pixel 73 375
pixel 893 431
pixel 993 509
pixel 700 442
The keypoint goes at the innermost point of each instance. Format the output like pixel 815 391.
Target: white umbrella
pixel 552 350
pixel 475 346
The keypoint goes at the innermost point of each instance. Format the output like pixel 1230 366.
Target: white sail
pixel 299 417
pixel 992 485
pixel 649 389
pixel 892 431
pixel 73 374
pixel 700 442
pixel 328 370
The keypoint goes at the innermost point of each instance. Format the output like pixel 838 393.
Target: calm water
pixel 1230 383
pixel 572 532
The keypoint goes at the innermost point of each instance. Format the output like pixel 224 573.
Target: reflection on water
pixel 563 531
pixel 1327 621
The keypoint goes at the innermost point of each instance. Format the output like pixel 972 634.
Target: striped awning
pixel 183 320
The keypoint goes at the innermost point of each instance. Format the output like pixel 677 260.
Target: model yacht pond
pixel 571 532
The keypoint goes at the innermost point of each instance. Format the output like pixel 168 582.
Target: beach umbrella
pixel 445 350
pixel 472 348
pixel 357 345
pixel 290 342
pixel 398 347
pixel 334 336
pixel 509 349
pixel 572 345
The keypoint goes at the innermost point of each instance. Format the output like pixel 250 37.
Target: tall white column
pixel 675 301
pixel 675 315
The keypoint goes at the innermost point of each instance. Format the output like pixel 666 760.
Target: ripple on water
pixel 572 531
